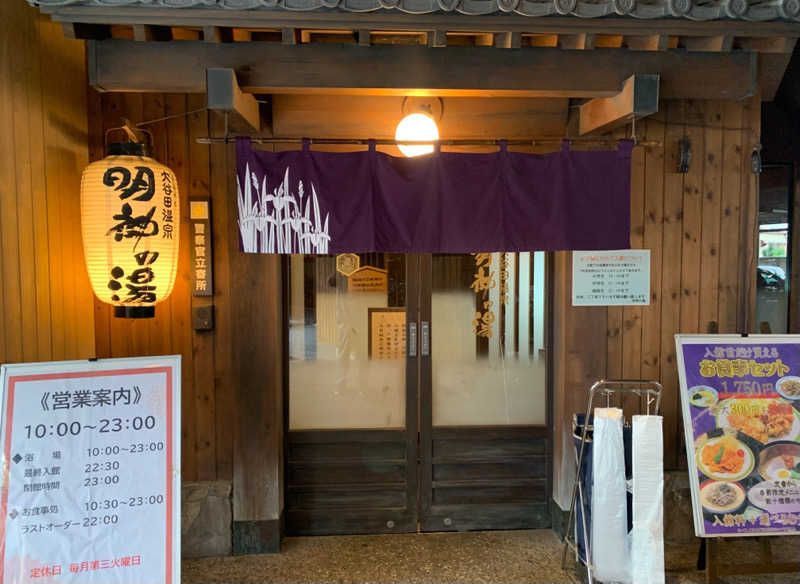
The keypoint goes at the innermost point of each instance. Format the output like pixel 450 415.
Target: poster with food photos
pixel 740 398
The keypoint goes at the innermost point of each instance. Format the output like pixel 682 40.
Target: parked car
pixel 771 277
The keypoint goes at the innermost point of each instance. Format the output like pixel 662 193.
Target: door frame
pixel 379 447
pixel 503 440
pixel 419 434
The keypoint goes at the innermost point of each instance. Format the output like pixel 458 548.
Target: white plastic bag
pixel 610 543
pixel 647 552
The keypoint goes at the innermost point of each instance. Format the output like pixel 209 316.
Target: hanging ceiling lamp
pixel 418 124
pixel 130 221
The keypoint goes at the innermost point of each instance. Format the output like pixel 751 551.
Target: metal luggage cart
pixel 649 394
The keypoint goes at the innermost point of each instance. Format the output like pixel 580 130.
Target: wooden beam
pixel 581 42
pixel 217 34
pixel 718 43
pixel 82 31
pixel 121 65
pixel 507 40
pixel 770 45
pixel 653 42
pixel 242 35
pixel 437 38
pixel 289 36
pixel 148 33
pixel 771 69
pixel 638 98
pixel 223 94
pixel 364 37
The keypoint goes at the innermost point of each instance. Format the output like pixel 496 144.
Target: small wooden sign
pixel 200 234
pixel 368 279
pixel 387 333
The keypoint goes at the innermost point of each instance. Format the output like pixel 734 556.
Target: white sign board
pixel 611 278
pixel 91 472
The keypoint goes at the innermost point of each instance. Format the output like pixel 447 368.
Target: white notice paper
pixel 611 278
pixel 91 490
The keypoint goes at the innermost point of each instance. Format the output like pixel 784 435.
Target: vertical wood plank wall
pixel 45 299
pixel 700 228
pixel 232 376
pixel 203 171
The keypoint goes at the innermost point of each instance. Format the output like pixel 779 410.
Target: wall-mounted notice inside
pixel 387 333
pixel 611 278
pixel 741 413
pixel 91 461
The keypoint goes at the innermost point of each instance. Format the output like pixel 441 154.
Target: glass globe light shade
pixel 416 127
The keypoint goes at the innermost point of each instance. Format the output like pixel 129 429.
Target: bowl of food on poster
pixel 724 456
pixel 703 396
pixel 789 387
pixel 722 497
pixel 780 461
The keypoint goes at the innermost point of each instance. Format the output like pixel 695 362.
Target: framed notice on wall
pixel 740 398
pixel 91 460
pixel 387 333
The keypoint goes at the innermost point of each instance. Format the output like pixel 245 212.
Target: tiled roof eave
pixel 733 10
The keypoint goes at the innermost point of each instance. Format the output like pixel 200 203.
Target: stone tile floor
pixel 473 557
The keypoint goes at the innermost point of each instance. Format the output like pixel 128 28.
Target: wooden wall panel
pixel 692 223
pixel 700 228
pixel 205 355
pixel 46 306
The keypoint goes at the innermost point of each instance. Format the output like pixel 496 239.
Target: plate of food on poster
pixel 740 399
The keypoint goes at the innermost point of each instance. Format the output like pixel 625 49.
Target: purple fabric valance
pixel 304 201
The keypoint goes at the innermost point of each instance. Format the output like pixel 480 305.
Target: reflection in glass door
pixel 773 273
pixel 417 393
pixel 488 351
pixel 484 407
pixel 351 460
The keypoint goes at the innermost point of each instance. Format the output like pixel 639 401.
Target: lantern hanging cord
pixel 172 117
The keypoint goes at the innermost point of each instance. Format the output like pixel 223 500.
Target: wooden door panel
pixel 486 478
pixel 349 481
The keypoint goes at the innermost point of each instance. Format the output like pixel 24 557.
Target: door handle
pixel 426 338
pixel 412 339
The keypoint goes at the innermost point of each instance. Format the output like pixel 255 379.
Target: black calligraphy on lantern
pixel 131 226
pixel 138 283
pixel 142 185
pixel 166 212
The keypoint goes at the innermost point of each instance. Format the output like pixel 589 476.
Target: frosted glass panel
pixel 487 339
pixel 347 343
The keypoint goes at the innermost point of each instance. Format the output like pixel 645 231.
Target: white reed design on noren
pixel 278 222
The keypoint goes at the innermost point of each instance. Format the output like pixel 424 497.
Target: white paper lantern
pixel 130 220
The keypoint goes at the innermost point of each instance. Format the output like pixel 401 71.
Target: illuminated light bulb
pixel 416 127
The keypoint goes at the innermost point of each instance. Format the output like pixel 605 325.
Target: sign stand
pixel 709 561
pixel 737 389
pixel 649 393
pixel 91 471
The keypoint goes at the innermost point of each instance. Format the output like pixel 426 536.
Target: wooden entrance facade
pixel 428 468
pixel 509 75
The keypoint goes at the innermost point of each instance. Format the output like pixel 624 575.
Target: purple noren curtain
pixel 319 202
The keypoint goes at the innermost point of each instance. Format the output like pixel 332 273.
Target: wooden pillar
pixel 579 359
pixel 257 336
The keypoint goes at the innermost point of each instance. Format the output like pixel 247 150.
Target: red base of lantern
pixel 134 311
